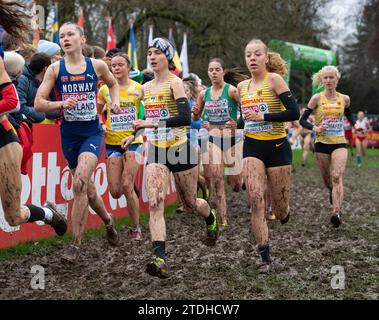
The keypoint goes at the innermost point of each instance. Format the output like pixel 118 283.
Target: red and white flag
pixel 111 42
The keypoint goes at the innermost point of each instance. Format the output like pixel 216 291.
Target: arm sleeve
pixel 303 120
pixel 349 116
pixel 9 101
pixel 291 113
pixel 182 119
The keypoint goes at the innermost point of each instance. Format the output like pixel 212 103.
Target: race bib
pixel 158 134
pixel 334 127
pixel 85 109
pixel 218 111
pixel 123 121
pixel 254 126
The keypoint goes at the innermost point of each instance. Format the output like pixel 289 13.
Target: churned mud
pixel 305 253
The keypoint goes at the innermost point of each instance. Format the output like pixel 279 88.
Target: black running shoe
pixel 59 221
pixel 158 268
pixel 336 220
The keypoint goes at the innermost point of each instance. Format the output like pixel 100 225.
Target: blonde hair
pixel 14 64
pixel 317 77
pixel 275 64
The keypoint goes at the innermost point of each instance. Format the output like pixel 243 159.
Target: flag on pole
pixel 150 39
pixel 184 57
pixel 81 18
pixel 176 60
pixel 36 37
pixel 132 53
pixel 55 30
pixel 111 42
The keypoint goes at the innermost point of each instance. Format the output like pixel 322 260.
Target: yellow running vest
pixel 263 101
pixel 330 113
pixel 160 106
pixel 120 126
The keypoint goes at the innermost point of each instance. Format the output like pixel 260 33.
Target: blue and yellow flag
pixel 55 29
pixel 132 53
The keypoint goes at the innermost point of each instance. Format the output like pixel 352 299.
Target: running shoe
pixel 59 221
pixel 264 268
pixel 179 209
pixel 286 219
pixel 135 234
pixel 158 268
pixel 111 233
pixel 336 220
pixel 212 230
pixel 71 255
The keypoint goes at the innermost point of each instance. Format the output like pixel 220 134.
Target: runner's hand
pixel 195 110
pixel 115 108
pixel 70 103
pixel 320 129
pixel 205 125
pixel 125 143
pixel 104 126
pixel 140 124
pixel 254 116
pixel 231 124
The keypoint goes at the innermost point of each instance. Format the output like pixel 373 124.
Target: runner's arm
pixel 184 111
pixel 9 100
pixel 199 107
pixel 292 109
pixel 41 103
pixel 109 80
pixel 307 112
pixel 347 111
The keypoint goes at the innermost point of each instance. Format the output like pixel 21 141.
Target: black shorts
pixel 177 159
pixel 273 153
pixel 225 143
pixel 7 135
pixel 328 148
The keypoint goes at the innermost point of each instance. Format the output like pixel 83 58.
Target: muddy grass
pixel 304 252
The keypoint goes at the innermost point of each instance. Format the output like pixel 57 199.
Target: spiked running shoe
pixel 71 255
pixel 158 268
pixel 135 234
pixel 264 268
pixel 212 230
pixel 336 220
pixel 111 233
pixel 59 221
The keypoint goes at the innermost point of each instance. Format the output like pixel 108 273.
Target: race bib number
pixel 158 134
pixel 123 121
pixel 334 127
pixel 254 126
pixel 218 111
pixel 85 109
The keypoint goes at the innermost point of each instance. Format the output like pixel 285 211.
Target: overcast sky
pixel 342 16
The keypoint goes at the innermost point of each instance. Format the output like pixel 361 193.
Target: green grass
pixel 43 244
pixel 370 161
